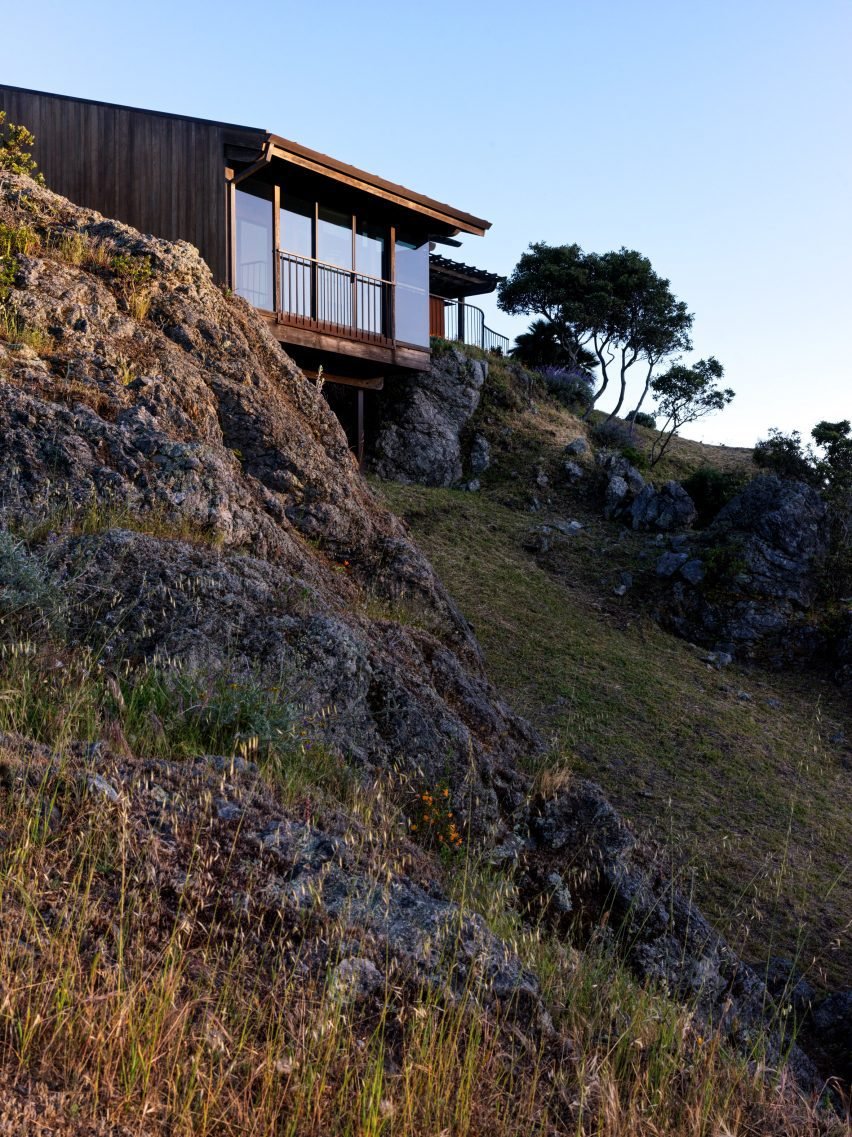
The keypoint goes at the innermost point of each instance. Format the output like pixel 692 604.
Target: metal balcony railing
pixel 328 298
pixel 464 323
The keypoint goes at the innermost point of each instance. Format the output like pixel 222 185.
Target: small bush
pixel 572 387
pixel 29 600
pixel 133 275
pixel 784 455
pixel 15 156
pixel 712 489
pixel 615 435
pixel 640 418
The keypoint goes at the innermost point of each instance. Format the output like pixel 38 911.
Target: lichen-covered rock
pixel 577 846
pixel 760 561
pixel 226 524
pixel 662 509
pixel 423 418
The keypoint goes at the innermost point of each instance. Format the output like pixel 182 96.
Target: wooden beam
pixel 276 246
pixel 396 355
pixel 263 160
pixel 375 384
pixel 360 447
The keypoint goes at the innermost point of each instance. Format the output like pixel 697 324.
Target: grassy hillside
pixel 744 776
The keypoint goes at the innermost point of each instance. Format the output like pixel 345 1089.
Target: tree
pixel 833 438
pixel 552 282
pixel 785 456
pixel 540 346
pixel 15 157
pixel 612 304
pixel 685 394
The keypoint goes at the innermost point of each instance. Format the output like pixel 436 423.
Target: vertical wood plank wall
pixel 164 175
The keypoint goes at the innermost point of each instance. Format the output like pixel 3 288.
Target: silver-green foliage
pixel 30 600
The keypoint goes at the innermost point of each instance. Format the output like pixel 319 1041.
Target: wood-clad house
pixel 336 259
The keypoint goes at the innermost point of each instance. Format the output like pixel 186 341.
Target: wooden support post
pixel 276 249
pixel 360 429
pixel 461 316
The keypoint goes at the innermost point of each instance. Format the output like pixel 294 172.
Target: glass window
pixel 412 291
pixel 334 238
pixel 254 249
pixel 370 265
pixel 297 224
pixel 297 229
pixel 334 273
pixel 370 249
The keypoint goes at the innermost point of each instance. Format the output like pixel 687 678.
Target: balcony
pixel 464 323
pixel 325 298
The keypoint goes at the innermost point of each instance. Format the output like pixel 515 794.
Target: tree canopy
pixel 613 305
pixel 684 394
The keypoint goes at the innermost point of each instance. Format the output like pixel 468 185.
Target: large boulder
pixel 424 415
pixel 663 510
pixel 196 501
pixel 644 506
pixel 581 866
pixel 761 560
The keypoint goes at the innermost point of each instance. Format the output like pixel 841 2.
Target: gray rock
pixel 356 979
pixel 100 787
pixel 568 528
pixel 480 454
pixel 768 545
pixel 664 509
pixel 670 563
pixel 423 417
pixel 718 659
pixel 576 838
pixel 538 540
pixel 573 471
pixel 577 446
pixel 616 494
pixel 693 571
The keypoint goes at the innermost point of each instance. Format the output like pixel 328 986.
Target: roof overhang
pixel 455 219
pixel 454 280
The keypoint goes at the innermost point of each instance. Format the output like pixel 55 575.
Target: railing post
pixel 461 313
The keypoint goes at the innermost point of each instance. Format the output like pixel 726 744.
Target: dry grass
pixel 748 792
pixel 148 980
pixel 154 1004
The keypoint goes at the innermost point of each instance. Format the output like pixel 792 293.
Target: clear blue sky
pixel 715 136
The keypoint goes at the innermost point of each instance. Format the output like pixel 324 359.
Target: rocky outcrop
pixel 577 862
pixel 645 507
pixel 423 420
pixel 225 522
pixel 757 575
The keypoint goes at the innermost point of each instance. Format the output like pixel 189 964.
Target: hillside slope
pixel 272 858
pixel 744 775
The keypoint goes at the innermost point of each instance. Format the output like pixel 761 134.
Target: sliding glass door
pixel 254 240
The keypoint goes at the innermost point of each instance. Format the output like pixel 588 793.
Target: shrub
pixel 784 455
pixel 572 387
pixel 712 489
pixel 614 435
pixel 640 418
pixel 29 601
pixel 133 275
pixel 15 157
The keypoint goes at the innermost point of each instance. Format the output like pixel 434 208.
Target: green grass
pixel 749 797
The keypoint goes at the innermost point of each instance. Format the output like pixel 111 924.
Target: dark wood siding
pixel 162 174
